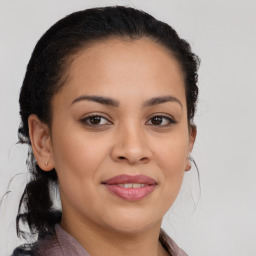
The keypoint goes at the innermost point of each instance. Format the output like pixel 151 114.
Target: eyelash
pixel 170 120
pixel 88 120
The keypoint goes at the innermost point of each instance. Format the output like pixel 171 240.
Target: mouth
pixel 130 188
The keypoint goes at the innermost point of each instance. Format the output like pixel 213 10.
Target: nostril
pixel 121 157
pixel 144 159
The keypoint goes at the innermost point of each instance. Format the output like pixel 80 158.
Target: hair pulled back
pixel 47 72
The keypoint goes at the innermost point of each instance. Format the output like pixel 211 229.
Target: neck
pixel 97 240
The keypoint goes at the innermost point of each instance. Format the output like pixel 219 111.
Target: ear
pixel 192 138
pixel 40 138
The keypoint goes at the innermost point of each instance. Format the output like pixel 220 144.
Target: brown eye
pixel 95 120
pixel 161 121
pixel 157 120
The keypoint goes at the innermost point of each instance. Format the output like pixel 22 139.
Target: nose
pixel 131 146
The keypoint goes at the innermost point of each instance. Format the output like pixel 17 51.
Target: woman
pixel 107 107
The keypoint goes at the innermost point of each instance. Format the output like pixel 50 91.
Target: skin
pixel 127 140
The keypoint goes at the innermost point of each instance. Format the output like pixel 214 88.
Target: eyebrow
pixel 160 100
pixel 99 99
pixel 114 103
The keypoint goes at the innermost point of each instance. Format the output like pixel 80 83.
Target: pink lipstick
pixel 130 188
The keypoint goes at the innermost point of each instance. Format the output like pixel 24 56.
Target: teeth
pixel 132 185
pixel 128 185
pixel 136 185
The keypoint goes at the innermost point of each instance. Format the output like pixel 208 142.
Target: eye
pixel 160 120
pixel 95 120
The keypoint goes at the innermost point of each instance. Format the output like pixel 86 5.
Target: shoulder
pixel 24 250
pixel 47 246
pixel 59 243
pixel 171 247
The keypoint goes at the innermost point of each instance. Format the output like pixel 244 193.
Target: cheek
pixel 172 158
pixel 77 155
pixel 77 159
pixel 172 154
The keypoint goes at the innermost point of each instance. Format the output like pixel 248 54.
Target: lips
pixel 130 188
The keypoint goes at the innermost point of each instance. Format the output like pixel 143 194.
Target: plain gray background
pixel 223 34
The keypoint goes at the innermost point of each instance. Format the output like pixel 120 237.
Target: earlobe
pixel 40 138
pixel 188 165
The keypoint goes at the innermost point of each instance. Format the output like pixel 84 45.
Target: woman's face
pixel 119 135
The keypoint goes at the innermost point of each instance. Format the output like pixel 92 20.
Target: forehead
pixel 125 65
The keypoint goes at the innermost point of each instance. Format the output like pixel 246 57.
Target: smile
pixel 130 188
pixel 131 185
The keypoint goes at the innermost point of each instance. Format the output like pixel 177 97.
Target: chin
pixel 132 222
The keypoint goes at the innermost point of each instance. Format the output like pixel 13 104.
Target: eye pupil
pixel 157 120
pixel 95 120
